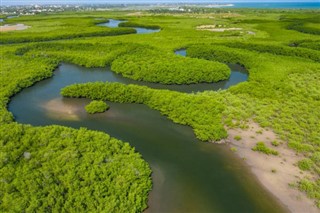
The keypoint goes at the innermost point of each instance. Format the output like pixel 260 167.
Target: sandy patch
pixel 216 28
pixel 7 27
pixel 135 14
pixel 61 110
pixel 274 172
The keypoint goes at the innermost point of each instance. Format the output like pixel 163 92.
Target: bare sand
pixel 274 172
pixel 217 28
pixel 7 27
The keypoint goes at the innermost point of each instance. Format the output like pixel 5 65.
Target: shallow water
pixel 188 175
pixel 140 30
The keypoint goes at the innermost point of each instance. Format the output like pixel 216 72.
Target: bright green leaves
pixel 96 107
pixel 155 66
pixel 201 112
pixel 60 169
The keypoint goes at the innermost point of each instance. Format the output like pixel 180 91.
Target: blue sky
pixel 19 2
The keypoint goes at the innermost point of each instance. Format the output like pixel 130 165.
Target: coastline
pixel 275 173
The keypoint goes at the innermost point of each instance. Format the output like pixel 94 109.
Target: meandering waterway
pixel 140 30
pixel 188 175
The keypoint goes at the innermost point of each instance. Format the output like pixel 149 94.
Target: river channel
pixel 188 175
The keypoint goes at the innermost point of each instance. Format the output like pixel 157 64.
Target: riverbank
pixel 275 173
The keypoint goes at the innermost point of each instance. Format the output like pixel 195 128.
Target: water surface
pixel 140 30
pixel 188 175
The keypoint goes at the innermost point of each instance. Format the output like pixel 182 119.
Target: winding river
pixel 140 30
pixel 188 175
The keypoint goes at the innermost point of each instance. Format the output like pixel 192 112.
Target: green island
pixel 96 107
pixel 52 168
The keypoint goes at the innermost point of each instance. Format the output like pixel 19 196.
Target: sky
pixel 28 2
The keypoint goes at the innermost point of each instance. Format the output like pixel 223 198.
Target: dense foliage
pixel 59 28
pixel 278 50
pixel 301 25
pixel 203 114
pixel 154 66
pixel 282 93
pixel 307 44
pixel 96 107
pixel 139 62
pixel 133 24
pixel 85 54
pixel 52 168
pixel 58 169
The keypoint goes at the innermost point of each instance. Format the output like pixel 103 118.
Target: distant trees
pixel 133 24
pixel 7 38
pixel 56 28
pixel 84 54
pixel 277 49
pixel 300 25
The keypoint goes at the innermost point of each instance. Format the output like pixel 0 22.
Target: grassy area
pixel 282 93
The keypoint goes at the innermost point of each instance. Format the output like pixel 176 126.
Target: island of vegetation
pixel 96 107
pixel 58 169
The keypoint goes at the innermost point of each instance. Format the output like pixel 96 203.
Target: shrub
pixel 261 147
pixel 275 143
pixel 305 164
pixel 237 137
pixel 96 107
pixel 234 149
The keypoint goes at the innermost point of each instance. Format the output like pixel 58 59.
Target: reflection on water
pixel 62 109
pixel 112 23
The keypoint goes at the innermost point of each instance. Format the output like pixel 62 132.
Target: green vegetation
pixel 233 149
pixel 237 137
pixel 261 147
pixel 275 143
pixel 305 164
pixel 84 54
pixel 154 66
pixel 282 93
pixel 60 169
pixel 307 25
pixel 133 24
pixel 277 49
pixel 59 28
pixel 96 107
pixel 203 114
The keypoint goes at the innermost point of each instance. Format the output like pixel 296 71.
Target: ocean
pixel 279 5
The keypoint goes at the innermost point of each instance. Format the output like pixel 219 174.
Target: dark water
pixel 238 74
pixel 188 175
pixel 115 23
